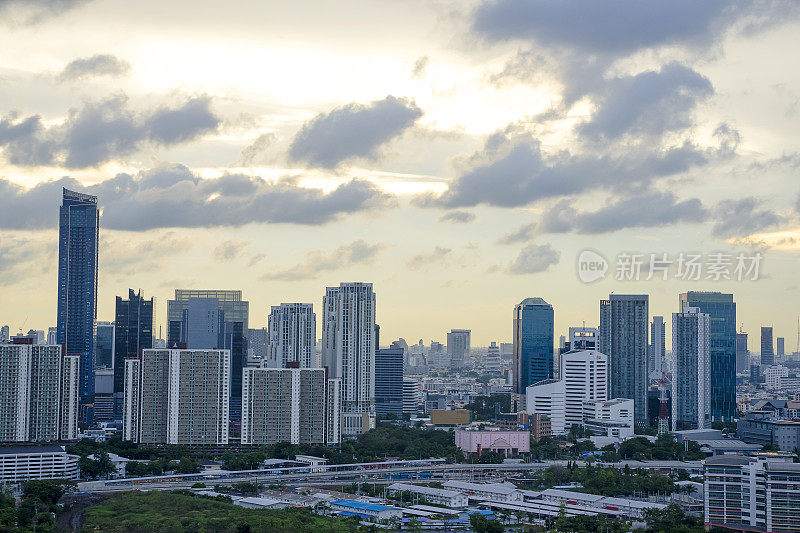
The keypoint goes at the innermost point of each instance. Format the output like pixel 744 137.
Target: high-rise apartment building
pixel 293 335
pixel 389 381
pixel 533 343
pixel 458 346
pixel 183 397
pixel 721 310
pixel 79 223
pixel 624 339
pixel 767 350
pixel 52 335
pixel 585 374
pixel 213 320
pixel 760 493
pixel 742 353
pixel 691 380
pixel 657 351
pixel 493 357
pixel 38 392
pixel 284 405
pixel 104 345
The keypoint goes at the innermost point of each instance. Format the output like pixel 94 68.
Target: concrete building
pixel 23 463
pixel 760 493
pixel 773 375
pixel 389 381
pixel 411 395
pixel 533 343
pixel 103 345
pixel 761 428
pixel 132 394
pixel 624 339
pixel 495 492
pixel 364 510
pixel 452 499
pixel 609 418
pixel 451 417
pixel 283 405
pixel 548 398
pixel 507 443
pixel 458 346
pixel 657 351
pixel 585 374
pixel 38 392
pixel 292 335
pixel 493 358
pixel 333 411
pixel 583 338
pixel 348 351
pixel 104 395
pixel 183 397
pixel 691 383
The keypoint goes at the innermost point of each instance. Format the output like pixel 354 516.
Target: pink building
pixel 509 443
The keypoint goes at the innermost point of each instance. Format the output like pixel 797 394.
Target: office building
pixel 742 353
pixel 767 352
pixel 104 395
pixel 766 429
pixel 721 310
pixel 780 349
pixel 624 339
pixel 182 397
pixel 25 463
pixel 657 351
pixel 533 343
pixel 38 392
pixel 104 346
pixel 691 382
pixel 283 405
pixel 548 398
pixel 609 418
pixel 411 395
pixel 760 493
pixel 133 325
pixel 458 346
pixel 213 320
pixel 389 381
pixel 79 223
pixel 52 335
pixel 582 338
pixel 585 374
pixel 258 348
pixel 348 351
pixel 492 362
pixel 292 335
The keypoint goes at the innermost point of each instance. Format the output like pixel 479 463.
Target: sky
pixel 460 155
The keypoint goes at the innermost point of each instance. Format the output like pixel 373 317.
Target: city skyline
pixel 460 162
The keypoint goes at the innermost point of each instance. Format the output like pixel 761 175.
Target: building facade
pixel 133 322
pixel 767 350
pixel 24 463
pixel 585 376
pixel 293 335
pixel 742 353
pixel 624 339
pixel 691 381
pixel 389 381
pixel 609 418
pixel 104 345
pixel 458 346
pixel 656 357
pixel 548 398
pixel 533 343
pixel 78 237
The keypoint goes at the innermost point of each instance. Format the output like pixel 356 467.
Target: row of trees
pixel 606 481
pixel 37 506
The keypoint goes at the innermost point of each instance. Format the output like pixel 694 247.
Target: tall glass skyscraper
pixel 722 312
pixel 623 338
pixel 767 351
pixel 134 332
pixel 79 223
pixel 533 343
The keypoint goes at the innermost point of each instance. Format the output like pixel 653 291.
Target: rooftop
pixel 499 488
pixel 363 505
pixel 23 450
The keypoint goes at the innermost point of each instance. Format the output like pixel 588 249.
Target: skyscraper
pixel 691 381
pixel 389 381
pixel 585 376
pixel 213 319
pixel 292 335
pixel 742 354
pixel 721 310
pixel 348 351
pixel 5 334
pixel 623 338
pixel 780 348
pixel 767 353
pixel 533 343
pixel 657 349
pixel 104 345
pixel 79 223
pixel 133 332
pixel 458 346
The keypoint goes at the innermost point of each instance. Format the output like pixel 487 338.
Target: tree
pixel 187 465
pixel 481 524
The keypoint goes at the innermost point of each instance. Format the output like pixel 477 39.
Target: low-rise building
pixel 499 492
pixel 451 498
pixel 23 463
pixel 758 428
pixel 508 443
pixel 370 511
pixel 611 418
pixel 451 417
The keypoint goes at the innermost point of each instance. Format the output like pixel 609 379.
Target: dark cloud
pixel 94 66
pixel 438 255
pixel 318 261
pixel 457 217
pixel 524 233
pixel 534 258
pixel 651 209
pixel 743 217
pixel 101 131
pixel 174 197
pixel 353 130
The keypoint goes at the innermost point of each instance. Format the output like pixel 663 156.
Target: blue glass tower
pixel 79 222
pixel 533 343
pixel 389 381
pixel 722 312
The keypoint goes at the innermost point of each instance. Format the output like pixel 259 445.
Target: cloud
pixel 100 132
pixel 254 153
pixel 438 255
pixel 32 11
pixel 255 259
pixel 126 257
pixel 175 197
pixel 534 258
pixel 650 209
pixel 420 66
pixel 21 258
pixel 93 66
pixel 524 233
pixel 353 130
pixel 229 250
pixel 318 261
pixel 742 217
pixel 457 217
